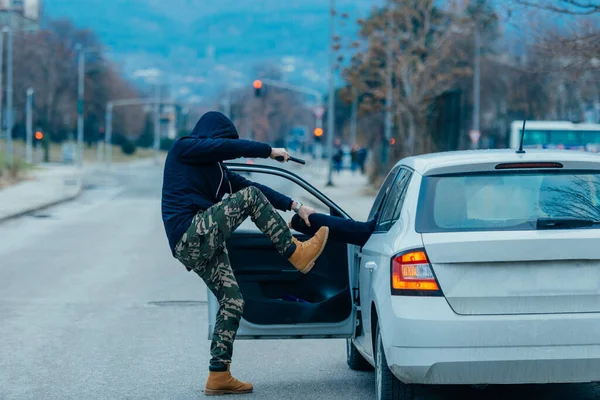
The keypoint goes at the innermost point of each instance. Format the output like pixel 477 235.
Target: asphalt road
pixel 92 306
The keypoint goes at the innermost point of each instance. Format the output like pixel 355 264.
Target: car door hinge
pixel 356 296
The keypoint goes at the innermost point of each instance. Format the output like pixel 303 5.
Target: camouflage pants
pixel 202 249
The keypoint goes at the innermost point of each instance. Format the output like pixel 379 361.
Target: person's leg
pixel 220 280
pixel 201 251
pixel 251 202
pixel 340 229
pixel 227 216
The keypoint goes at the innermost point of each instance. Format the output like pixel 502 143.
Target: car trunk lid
pixel 517 272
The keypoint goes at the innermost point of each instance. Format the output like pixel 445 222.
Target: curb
pixel 43 206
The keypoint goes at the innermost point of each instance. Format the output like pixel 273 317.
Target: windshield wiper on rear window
pixel 565 223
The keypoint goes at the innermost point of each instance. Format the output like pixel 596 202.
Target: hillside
pixel 201 44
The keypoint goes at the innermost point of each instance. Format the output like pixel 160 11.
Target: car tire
pixel 354 359
pixel 387 386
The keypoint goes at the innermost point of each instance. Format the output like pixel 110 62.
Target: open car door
pixel 280 302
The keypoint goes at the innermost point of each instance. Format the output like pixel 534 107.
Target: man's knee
pixel 253 194
pixel 233 305
pixel 252 191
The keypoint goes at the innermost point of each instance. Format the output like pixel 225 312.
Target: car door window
pixel 381 196
pixel 407 175
pixel 393 204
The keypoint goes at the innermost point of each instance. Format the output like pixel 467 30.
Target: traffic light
pixel 39 135
pixel 257 87
pixel 392 141
pixel 318 132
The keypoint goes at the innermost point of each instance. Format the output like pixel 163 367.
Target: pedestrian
pixel 337 159
pixel 362 159
pixel 354 158
pixel 203 203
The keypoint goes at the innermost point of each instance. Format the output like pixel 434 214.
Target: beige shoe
pixel 220 383
pixel 307 252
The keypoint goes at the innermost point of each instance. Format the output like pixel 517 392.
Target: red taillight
pixel 526 165
pixel 412 275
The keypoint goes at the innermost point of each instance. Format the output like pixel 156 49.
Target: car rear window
pixel 506 200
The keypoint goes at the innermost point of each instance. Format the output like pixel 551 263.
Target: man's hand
pixel 305 212
pixel 280 153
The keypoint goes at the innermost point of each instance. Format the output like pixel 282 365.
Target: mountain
pixel 202 45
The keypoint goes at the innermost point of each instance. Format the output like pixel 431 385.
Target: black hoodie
pixel 195 177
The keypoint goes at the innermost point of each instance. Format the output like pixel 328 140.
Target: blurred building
pixel 26 14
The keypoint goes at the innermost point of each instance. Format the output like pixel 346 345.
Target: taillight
pixel 412 275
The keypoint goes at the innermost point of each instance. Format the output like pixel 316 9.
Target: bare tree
pixel 47 62
pixel 425 62
pixel 577 46
pixel 571 7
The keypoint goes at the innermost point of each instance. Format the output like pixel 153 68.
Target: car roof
pixel 481 160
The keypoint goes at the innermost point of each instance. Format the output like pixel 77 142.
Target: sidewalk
pixel 51 184
pixel 350 191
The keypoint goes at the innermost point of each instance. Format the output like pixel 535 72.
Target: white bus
pixel 556 135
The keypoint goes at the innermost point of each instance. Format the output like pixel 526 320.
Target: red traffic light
pixel 318 132
pixel 39 135
pixel 257 84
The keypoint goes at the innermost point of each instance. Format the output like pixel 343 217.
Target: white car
pixel 484 269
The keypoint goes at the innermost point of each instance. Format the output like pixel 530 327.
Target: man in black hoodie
pixel 203 203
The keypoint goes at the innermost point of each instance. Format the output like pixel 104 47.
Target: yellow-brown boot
pixel 307 252
pixel 220 383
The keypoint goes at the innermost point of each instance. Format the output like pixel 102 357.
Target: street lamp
pixel 389 95
pixel 331 108
pixel 1 75
pixel 9 88
pixel 29 126
pixel 82 51
pixel 80 94
pixel 156 121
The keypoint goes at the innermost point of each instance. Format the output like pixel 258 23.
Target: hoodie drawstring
pixel 221 183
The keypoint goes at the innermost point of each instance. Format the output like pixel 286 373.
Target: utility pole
pixel 80 94
pixel 228 103
pixel 9 85
pixel 476 83
pixel 108 134
pixel 331 108
pixel 156 122
pixel 389 60
pixel 29 124
pixel 1 76
pixel 354 117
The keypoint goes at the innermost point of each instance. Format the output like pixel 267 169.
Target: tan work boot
pixel 220 383
pixel 307 252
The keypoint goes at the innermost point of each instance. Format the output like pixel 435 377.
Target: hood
pixel 214 125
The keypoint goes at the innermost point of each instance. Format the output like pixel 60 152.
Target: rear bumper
pixel 502 365
pixel 427 343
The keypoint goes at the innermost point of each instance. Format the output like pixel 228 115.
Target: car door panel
pixel 276 293
pixel 366 255
pixel 281 302
pixel 377 252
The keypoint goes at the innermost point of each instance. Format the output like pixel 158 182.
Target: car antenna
pixel 521 151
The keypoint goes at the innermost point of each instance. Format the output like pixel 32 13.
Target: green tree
pixel 146 138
